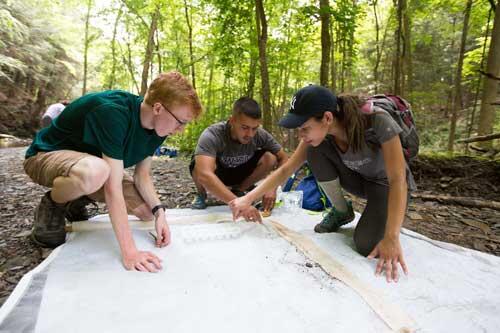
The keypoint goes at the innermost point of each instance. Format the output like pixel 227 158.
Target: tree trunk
pixel 254 58
pixel 251 75
pixel 40 100
pixel 458 78
pixel 344 62
pixel 324 12
pixel 350 58
pixel 128 61
pixel 450 97
pixel 158 53
pixel 407 61
pixel 490 85
pixel 190 39
pixel 210 98
pixel 86 47
pixel 377 46
pixel 148 56
pixel 382 48
pixel 333 67
pixel 480 77
pixel 399 4
pixel 264 74
pixel 113 51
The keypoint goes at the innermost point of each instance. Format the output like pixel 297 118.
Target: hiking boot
pixel 237 192
pixel 77 210
pixel 199 202
pixel 48 228
pixel 335 219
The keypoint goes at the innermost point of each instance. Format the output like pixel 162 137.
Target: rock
pixel 11 280
pixel 415 216
pixel 16 268
pixel 23 234
pixel 478 245
pixel 445 179
pixel 476 224
pixel 309 265
pixel 443 214
pixel 13 262
pixel 492 246
pixel 46 253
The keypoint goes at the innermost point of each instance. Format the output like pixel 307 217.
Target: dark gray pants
pixel 326 165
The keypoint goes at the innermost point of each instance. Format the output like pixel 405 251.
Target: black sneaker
pixel 77 209
pixel 334 219
pixel 237 192
pixel 49 226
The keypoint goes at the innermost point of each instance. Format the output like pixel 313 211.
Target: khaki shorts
pixel 43 168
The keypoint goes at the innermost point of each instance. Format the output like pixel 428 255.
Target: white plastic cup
pixel 292 201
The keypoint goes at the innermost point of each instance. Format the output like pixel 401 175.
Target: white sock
pixel 333 191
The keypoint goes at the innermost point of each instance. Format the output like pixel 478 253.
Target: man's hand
pixel 390 254
pixel 142 261
pixel 268 201
pixel 162 229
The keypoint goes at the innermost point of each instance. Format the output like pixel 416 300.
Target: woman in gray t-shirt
pixel 359 152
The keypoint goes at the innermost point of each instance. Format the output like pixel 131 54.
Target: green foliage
pixel 30 57
pixel 41 45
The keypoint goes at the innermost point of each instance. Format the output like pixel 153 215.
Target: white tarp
pixel 251 281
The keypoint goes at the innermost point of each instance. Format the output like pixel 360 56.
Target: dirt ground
pixel 476 228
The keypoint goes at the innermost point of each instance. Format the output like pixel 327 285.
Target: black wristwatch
pixel 160 206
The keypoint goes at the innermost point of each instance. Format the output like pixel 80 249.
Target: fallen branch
pixel 480 138
pixel 479 149
pixel 462 201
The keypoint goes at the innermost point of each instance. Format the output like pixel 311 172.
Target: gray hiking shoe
pixel 77 209
pixel 199 202
pixel 48 229
pixel 335 219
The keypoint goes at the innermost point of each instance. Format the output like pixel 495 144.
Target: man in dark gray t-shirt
pixel 235 153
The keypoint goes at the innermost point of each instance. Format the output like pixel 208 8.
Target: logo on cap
pixel 292 103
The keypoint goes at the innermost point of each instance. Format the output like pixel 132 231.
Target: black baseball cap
pixel 306 103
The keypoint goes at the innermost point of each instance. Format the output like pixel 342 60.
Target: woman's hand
pixel 239 206
pixel 390 254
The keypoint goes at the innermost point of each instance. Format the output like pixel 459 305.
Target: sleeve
pixel 269 143
pixel 105 128
pixel 385 127
pixel 208 144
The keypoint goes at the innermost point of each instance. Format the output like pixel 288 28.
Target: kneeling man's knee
pixel 269 159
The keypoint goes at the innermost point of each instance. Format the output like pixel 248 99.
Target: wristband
pixel 155 208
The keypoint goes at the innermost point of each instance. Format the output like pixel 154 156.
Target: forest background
pixel 435 53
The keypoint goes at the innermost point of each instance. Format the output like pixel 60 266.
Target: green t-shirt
pixel 106 123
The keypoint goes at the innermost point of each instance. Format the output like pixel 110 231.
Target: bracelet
pixel 160 206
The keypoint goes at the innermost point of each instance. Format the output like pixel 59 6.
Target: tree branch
pixel 480 138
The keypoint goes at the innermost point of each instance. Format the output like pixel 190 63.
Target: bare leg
pixel 86 177
pixel 266 164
